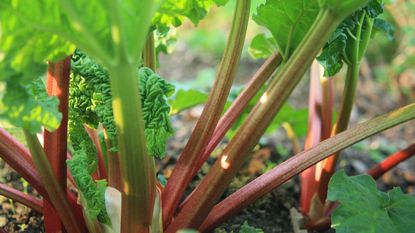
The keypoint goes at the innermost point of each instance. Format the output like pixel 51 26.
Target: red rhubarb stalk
pixel 319 129
pixel 18 157
pixel 237 107
pixel 211 113
pixel 114 172
pixel 358 50
pixel 314 135
pixel 298 163
pixel 25 199
pixel 391 161
pixel 55 143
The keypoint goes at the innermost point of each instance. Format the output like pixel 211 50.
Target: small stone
pixel 3 221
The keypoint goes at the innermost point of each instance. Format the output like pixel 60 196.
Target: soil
pixel 15 217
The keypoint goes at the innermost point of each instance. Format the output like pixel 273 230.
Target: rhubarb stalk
pixel 55 143
pixel 237 107
pixel 27 200
pixel 293 166
pixel 211 113
pixel 359 47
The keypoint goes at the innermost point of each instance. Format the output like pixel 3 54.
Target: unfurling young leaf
pixel 339 49
pixel 364 209
pixel 91 102
pixel 92 193
pixel 154 91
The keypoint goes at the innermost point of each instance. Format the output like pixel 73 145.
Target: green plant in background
pixel 111 89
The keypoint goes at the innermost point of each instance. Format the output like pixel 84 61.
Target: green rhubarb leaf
pixel 45 29
pixel 29 106
pixel 331 58
pixel 221 2
pixel 34 32
pixel 288 21
pixel 262 46
pixel 365 209
pixel 172 12
pixel 21 41
pixel 340 47
pixel 185 99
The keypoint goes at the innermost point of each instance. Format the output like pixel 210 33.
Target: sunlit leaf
pixel 288 21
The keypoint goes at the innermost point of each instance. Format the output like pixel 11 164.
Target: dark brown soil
pixel 15 217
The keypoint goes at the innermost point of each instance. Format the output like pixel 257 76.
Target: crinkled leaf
pixel 91 102
pixel 158 128
pixel 262 46
pixel 30 107
pixel 288 21
pixel 92 192
pixel 374 8
pixel 365 209
pixel 246 228
pixel 185 99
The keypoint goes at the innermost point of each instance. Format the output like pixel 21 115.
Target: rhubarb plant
pixel 105 109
